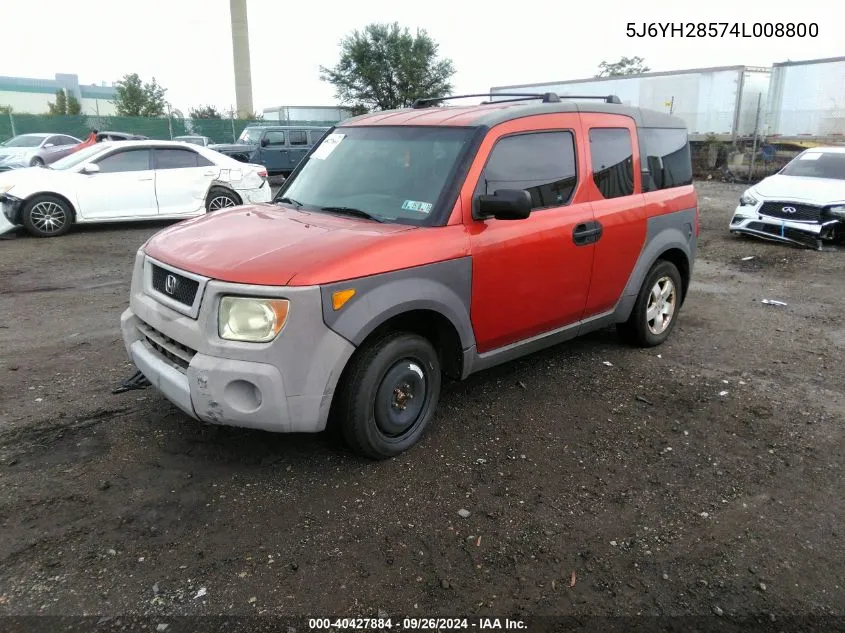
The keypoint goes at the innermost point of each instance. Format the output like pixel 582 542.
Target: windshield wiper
pixel 353 211
pixel 286 200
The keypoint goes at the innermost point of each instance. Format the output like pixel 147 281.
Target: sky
pixel 186 44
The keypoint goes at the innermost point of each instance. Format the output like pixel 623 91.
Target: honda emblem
pixel 171 284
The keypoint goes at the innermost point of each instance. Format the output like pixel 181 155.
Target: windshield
pixel 817 165
pixel 396 174
pixel 250 135
pixel 24 140
pixel 71 160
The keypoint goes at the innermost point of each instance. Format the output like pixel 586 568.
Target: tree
pixel 74 108
pixel 625 66
pixel 60 106
pixel 204 112
pixel 135 98
pixel 385 67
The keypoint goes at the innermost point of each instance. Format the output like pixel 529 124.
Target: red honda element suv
pixel 414 244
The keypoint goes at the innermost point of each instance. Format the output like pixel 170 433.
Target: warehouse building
pixel 27 95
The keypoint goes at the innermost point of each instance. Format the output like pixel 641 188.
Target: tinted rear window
pixel 666 156
pixel 613 161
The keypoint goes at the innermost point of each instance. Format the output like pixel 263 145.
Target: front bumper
pixel 748 221
pixel 10 213
pixel 284 386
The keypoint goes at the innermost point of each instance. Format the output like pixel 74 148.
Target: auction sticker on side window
pixel 420 207
pixel 811 156
pixel 328 145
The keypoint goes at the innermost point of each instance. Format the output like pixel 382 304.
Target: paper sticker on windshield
pixel 328 145
pixel 419 207
pixel 811 156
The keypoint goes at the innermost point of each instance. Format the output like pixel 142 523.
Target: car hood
pixel 14 155
pixel 268 244
pixel 28 177
pixel 818 191
pixel 231 147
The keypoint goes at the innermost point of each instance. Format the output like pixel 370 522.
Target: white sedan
pixel 129 180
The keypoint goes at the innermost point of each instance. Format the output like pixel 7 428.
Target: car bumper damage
pixel 285 385
pixel 820 227
pixel 10 213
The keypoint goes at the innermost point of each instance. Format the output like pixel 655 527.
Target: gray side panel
pixel 672 230
pixel 444 287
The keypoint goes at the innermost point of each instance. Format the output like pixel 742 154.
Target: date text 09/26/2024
pixel 414 624
pixel 722 29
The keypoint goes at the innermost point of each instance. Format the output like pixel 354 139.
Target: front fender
pixel 443 287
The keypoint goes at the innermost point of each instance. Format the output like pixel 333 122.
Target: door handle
pixel 143 179
pixel 587 233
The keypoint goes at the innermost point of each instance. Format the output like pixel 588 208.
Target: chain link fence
pixel 218 130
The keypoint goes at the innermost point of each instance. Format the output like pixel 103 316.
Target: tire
pixel 36 162
pixel 219 198
pixel 379 416
pixel 643 331
pixel 47 216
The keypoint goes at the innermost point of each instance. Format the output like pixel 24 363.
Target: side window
pixel 297 137
pixel 542 163
pixel 127 160
pixel 66 140
pixel 54 140
pixel 175 159
pixel 275 137
pixel 666 153
pixel 316 135
pixel 613 161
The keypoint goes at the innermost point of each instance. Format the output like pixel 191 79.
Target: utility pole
pixel 12 121
pixel 170 121
pixel 671 104
pixel 754 144
pixel 232 119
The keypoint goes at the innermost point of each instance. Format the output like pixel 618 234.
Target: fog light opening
pixel 243 396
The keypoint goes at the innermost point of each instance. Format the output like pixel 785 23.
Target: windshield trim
pixel 451 188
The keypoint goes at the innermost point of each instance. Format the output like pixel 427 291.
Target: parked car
pixel 119 136
pixel 35 150
pixel 203 141
pixel 803 204
pixel 278 148
pixel 128 180
pixel 411 244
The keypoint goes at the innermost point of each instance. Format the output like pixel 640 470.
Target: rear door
pixel 182 180
pixel 123 188
pixel 273 151
pixel 298 147
pixel 616 192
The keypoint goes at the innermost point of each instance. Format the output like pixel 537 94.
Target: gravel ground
pixel 701 477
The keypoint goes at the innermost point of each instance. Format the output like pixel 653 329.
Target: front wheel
pixel 47 216
pixel 389 395
pixel 36 162
pixel 656 309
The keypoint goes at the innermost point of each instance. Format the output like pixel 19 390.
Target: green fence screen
pixel 218 130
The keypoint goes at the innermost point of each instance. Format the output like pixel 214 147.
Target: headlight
pixel 838 211
pixel 747 199
pixel 251 319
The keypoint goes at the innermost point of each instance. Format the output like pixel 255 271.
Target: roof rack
pixel 546 97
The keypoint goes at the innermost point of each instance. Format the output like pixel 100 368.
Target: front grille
pixel 182 289
pixel 177 353
pixel 789 233
pixel 791 211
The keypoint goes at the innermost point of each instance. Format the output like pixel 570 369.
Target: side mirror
pixel 506 204
pixel 91 168
pixel 46 145
pixel 265 142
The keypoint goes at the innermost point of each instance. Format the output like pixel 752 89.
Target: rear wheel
pixel 656 309
pixel 47 216
pixel 220 198
pixel 36 162
pixel 389 395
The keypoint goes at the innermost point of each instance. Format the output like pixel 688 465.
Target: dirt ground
pixel 701 477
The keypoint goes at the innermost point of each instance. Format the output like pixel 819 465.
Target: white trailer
pixel 720 101
pixel 807 99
